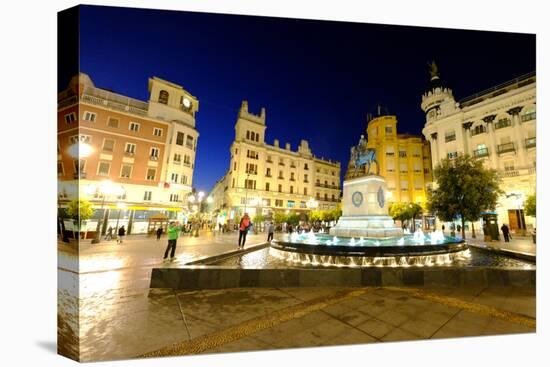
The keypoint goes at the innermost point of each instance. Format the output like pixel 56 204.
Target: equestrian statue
pixel 361 156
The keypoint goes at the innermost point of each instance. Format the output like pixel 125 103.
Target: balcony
pixel 520 171
pixel 478 130
pixel 402 154
pixel 251 172
pixel 268 175
pixel 306 181
pixel 281 178
pixel 530 143
pixel 292 166
pixel 81 176
pixel 153 158
pixel 481 152
pixel 528 116
pixel 269 161
pixel 129 154
pixel 114 101
pixel 505 148
pixel 292 179
pixel 281 164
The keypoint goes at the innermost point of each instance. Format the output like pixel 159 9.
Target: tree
pixel 464 189
pixel 315 216
pixel 279 217
pixel 531 205
pixel 398 211
pixel 413 210
pixel 79 211
pixel 293 219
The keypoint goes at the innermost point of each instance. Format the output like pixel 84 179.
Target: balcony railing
pixel 505 148
pixel 530 142
pixel 481 152
pixel 449 138
pixel 251 172
pixel 528 116
pixel 114 101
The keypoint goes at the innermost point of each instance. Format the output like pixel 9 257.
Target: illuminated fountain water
pixel 381 242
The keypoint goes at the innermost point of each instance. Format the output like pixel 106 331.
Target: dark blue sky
pixel 317 79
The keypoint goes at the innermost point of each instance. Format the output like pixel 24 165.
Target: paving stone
pixel 376 328
pixel 398 334
pixel 393 317
pixel 353 317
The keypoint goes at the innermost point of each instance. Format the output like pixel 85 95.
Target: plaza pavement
pixel 120 317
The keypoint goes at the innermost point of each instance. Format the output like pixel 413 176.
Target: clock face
pixel 186 102
pixel 357 198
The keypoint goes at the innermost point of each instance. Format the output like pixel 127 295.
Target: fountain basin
pixel 411 250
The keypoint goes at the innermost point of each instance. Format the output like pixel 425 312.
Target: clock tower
pixel 438 99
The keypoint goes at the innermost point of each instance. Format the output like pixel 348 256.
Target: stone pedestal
pixel 365 210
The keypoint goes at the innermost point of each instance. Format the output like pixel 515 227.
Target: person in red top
pixel 243 229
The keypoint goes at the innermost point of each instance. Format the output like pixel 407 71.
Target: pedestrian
pixel 244 226
pixel 109 234
pixel 290 229
pixel 458 228
pixel 121 234
pixel 443 228
pixel 159 233
pixel 505 232
pixel 270 230
pixel 174 229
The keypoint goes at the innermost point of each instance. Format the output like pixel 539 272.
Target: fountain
pixel 365 215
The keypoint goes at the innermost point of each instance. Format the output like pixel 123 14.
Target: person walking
pixel 270 230
pixel 244 225
pixel 121 234
pixel 159 233
pixel 109 234
pixel 443 228
pixel 505 232
pixel 174 229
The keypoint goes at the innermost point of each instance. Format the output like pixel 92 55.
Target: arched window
pixel 163 97
pixel 248 134
pixel 479 129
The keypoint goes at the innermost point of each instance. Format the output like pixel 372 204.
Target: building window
pixel 130 149
pixel 529 114
pixel 452 155
pixel 247 135
pixel 147 195
pixel 233 183
pixel 89 116
pixel 305 178
pixel 267 186
pixel 501 123
pixel 234 166
pixel 75 139
pixel 305 190
pixel 151 173
pixel 250 184
pixel 281 175
pixel 60 169
pixel 404 185
pixel 280 188
pixel 450 136
pixel 103 169
pixel 479 129
pixel 269 159
pixel 268 172
pixel 290 204
pixel 163 97
pixel 126 171
pixel 291 176
pixel 292 189
pixel 187 160
pixel 179 138
pixel 389 130
pixel 390 166
pixel 183 179
pixel 108 145
pixel 70 117
pixel 113 122
pixel 402 153
pixel 390 150
pixel 157 131
pixel 306 166
pixel 79 166
pixel 318 196
pixel 177 158
pixel 189 142
pixel 174 177
pixel 174 197
pixel 154 154
pixel 134 126
pixel 278 202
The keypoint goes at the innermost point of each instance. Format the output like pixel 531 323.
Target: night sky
pixel 317 79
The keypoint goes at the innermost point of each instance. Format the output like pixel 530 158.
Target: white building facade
pixel 498 126
pixel 264 178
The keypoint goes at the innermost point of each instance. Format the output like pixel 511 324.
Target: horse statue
pixel 361 156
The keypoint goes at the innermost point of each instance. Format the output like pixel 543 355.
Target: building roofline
pixel 498 89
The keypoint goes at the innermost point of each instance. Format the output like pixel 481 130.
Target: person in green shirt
pixel 174 230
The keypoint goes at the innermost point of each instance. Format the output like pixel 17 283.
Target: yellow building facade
pixel 404 160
